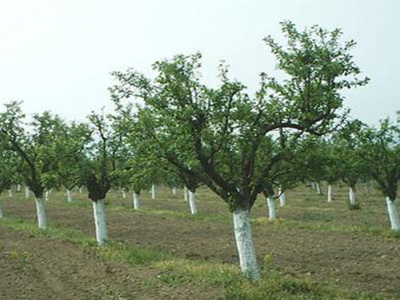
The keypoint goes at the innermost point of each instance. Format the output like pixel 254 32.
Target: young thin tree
pixel 381 150
pixel 36 145
pixel 217 134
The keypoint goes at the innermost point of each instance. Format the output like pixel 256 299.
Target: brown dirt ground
pixel 61 270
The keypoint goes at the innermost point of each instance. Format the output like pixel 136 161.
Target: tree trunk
pixel 136 201
pixel 271 208
pixel 174 190
pixel 80 190
pixel 185 193
pixel 282 198
pixel 100 221
pixel 318 186
pixel 123 194
pixel 192 203
pixel 27 192
pixel 352 196
pixel 1 210
pixel 393 214
pixel 69 196
pixel 46 195
pixel 313 185
pixel 329 193
pixel 18 188
pixel 153 192
pixel 244 242
pixel 10 193
pixel 41 213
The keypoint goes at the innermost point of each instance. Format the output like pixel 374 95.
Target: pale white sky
pixel 57 55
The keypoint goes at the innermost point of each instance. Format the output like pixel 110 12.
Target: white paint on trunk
pixel 46 195
pixel 136 201
pixel 313 186
pixel 153 192
pixel 393 214
pixel 192 203
pixel 123 194
pixel 174 190
pixel 244 242
pixel 185 193
pixel 271 208
pixel 352 196
pixel 18 188
pixel 282 198
pixel 1 210
pixel 80 190
pixel 27 192
pixel 41 213
pixel 100 221
pixel 10 193
pixel 318 186
pixel 330 193
pixel 69 196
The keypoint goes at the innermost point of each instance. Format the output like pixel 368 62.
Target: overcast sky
pixel 57 55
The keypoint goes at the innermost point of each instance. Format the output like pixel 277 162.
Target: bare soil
pixel 42 268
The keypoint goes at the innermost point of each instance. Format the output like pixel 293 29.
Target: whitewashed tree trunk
pixel 123 194
pixel 41 213
pixel 313 186
pixel 244 242
pixel 46 195
pixel 10 193
pixel 271 208
pixel 18 188
pixel 192 203
pixel 153 192
pixel 352 196
pixel 1 210
pixel 80 190
pixel 282 198
pixel 174 190
pixel 136 201
pixel 69 196
pixel 100 221
pixel 27 192
pixel 185 193
pixel 318 186
pixel 330 193
pixel 393 214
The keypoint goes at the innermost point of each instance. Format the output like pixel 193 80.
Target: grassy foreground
pixel 225 277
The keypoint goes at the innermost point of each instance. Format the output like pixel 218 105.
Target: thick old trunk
pixel 393 214
pixel 136 201
pixel 244 242
pixel 271 208
pixel 329 193
pixel 41 213
pixel 100 221
pixel 318 186
pixel 352 196
pixel 69 196
pixel 192 203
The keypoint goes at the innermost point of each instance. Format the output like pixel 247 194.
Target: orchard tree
pixel 352 167
pixel 217 134
pixel 36 144
pixel 381 152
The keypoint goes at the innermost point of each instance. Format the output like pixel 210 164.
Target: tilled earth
pixel 43 268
